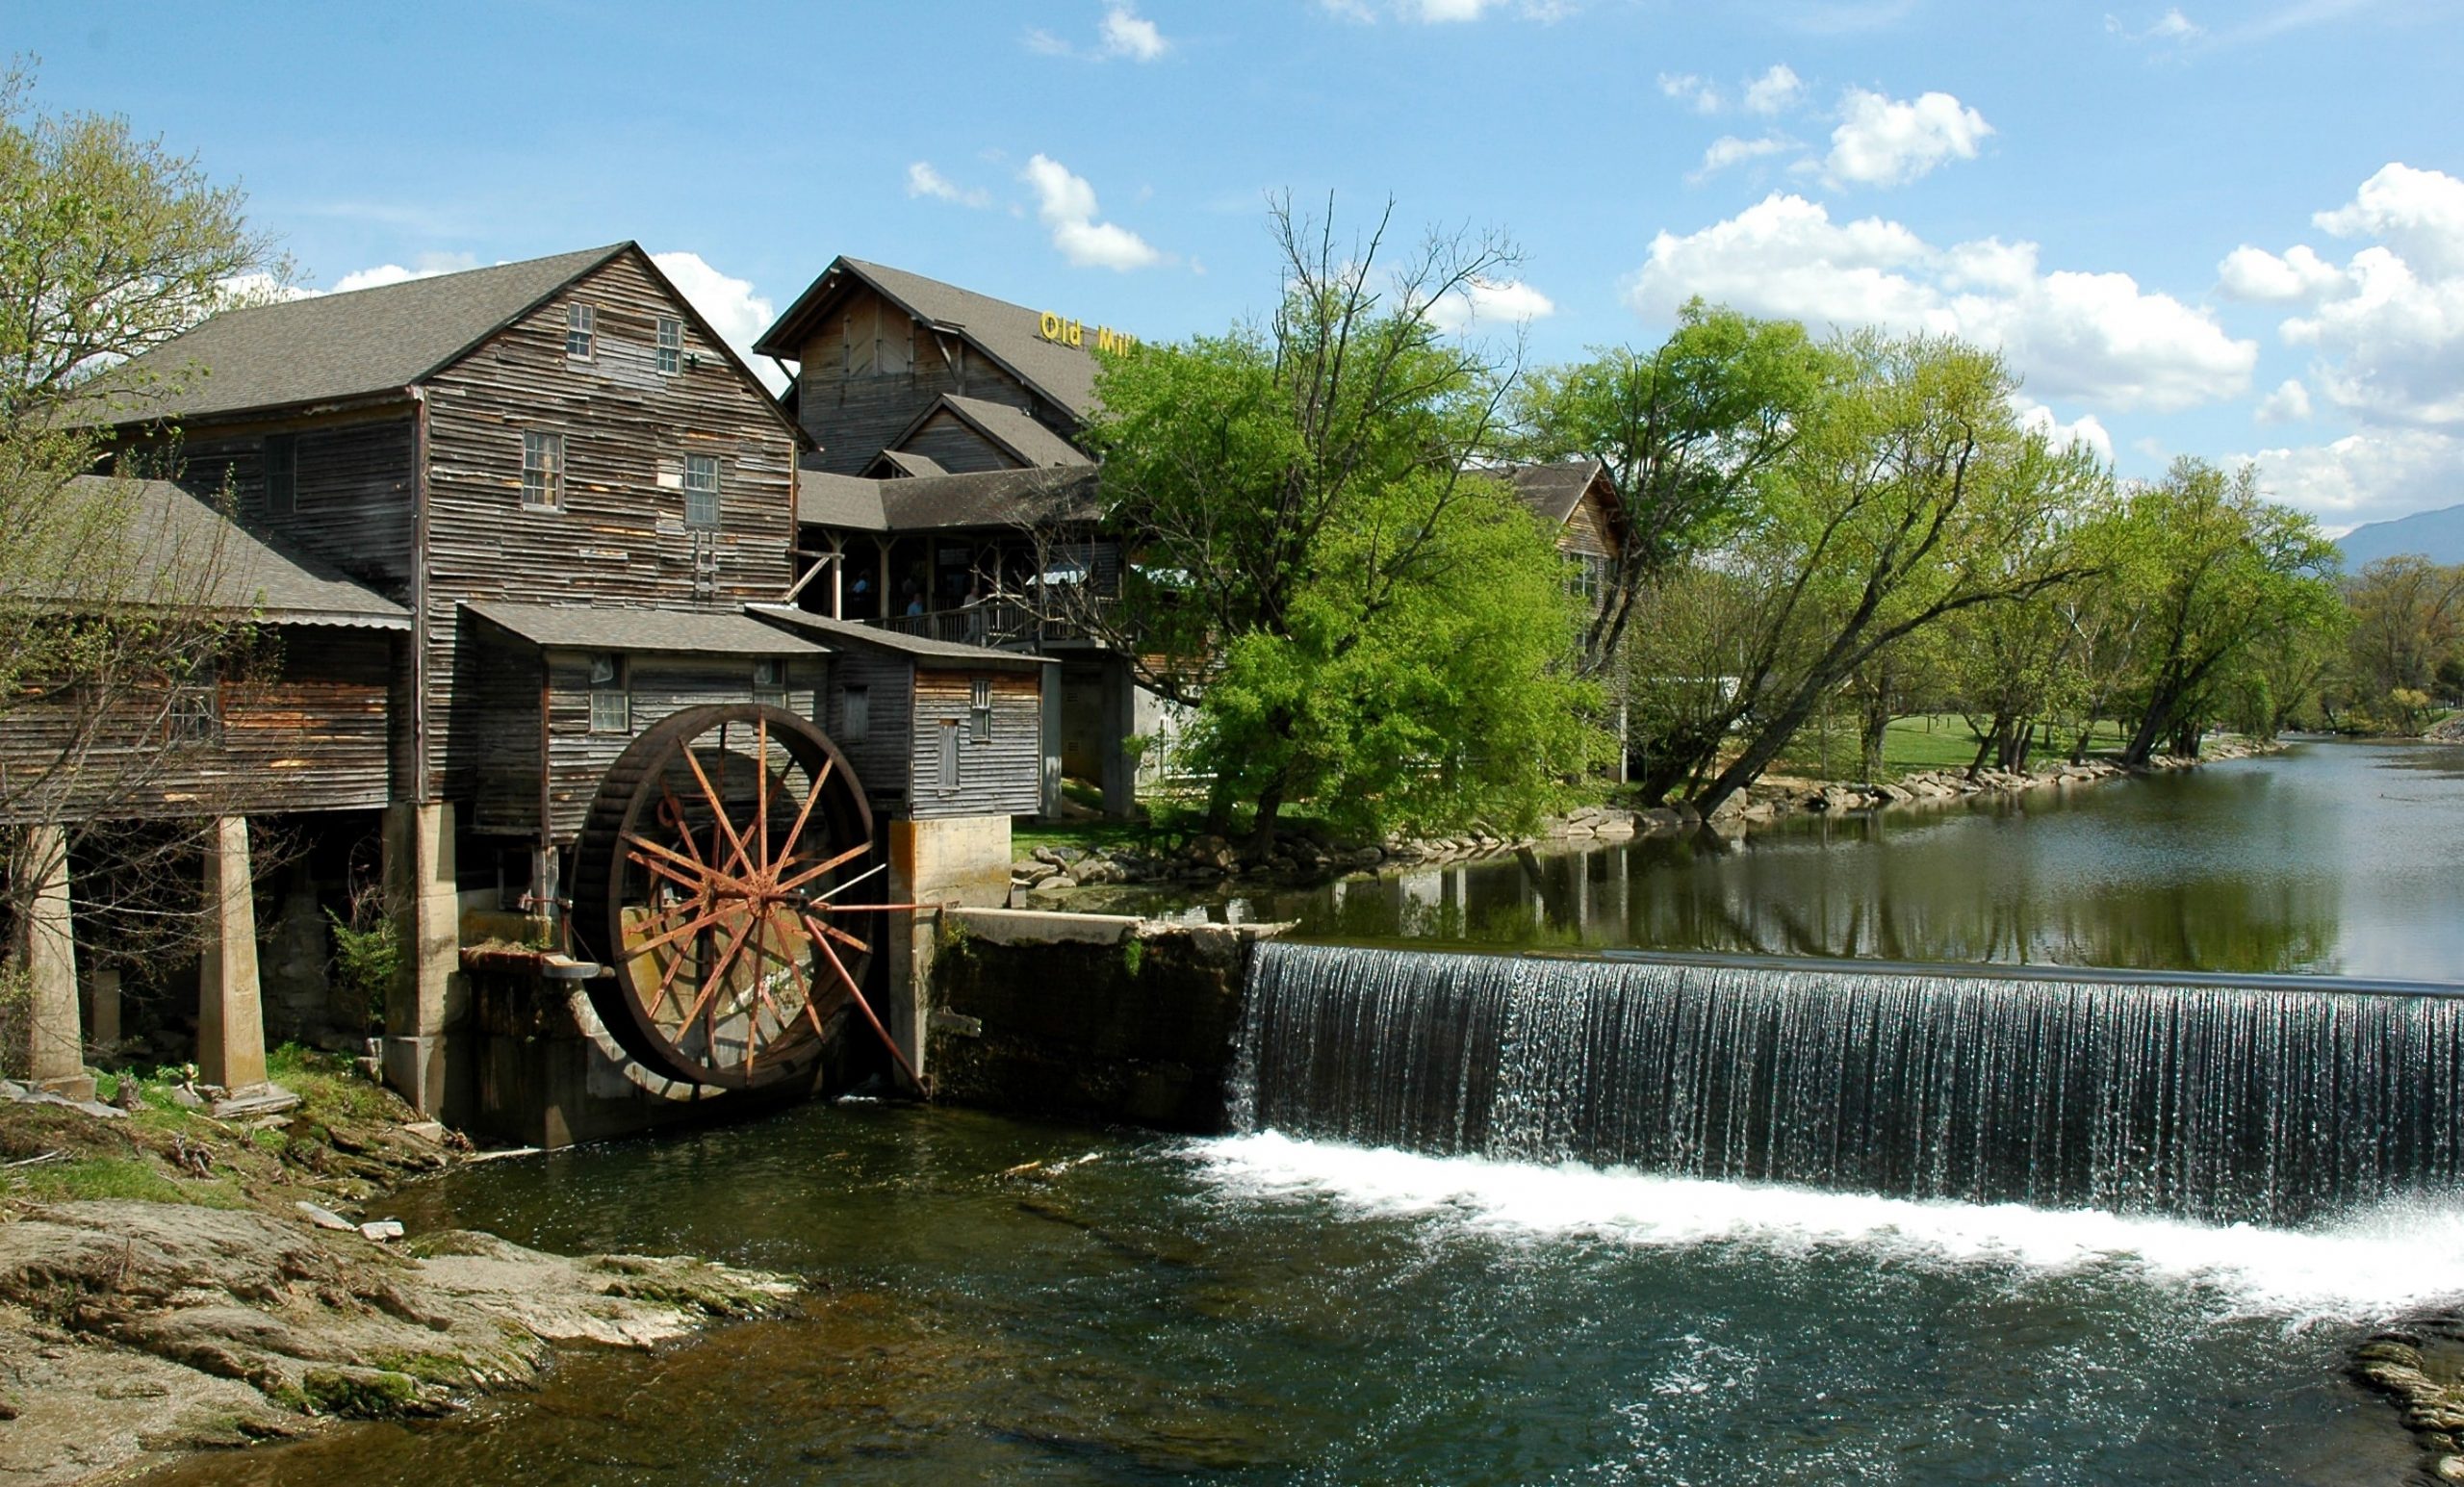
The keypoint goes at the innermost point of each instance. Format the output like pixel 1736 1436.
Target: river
pixel 1000 1300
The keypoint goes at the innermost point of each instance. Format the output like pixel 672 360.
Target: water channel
pixel 1264 1308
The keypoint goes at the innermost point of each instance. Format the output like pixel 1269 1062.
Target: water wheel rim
pixel 711 914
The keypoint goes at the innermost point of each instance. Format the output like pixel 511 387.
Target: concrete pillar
pixel 54 1043
pixel 230 1018
pixel 425 1000
pixel 102 1013
pixel 959 860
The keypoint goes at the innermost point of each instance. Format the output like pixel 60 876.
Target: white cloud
pixel 2387 328
pixel 2171 27
pixel 729 304
pixel 2096 337
pixel 1128 34
pixel 1890 141
pixel 1490 302
pixel 1438 12
pixel 2289 403
pixel 1775 92
pixel 2254 273
pixel 1729 150
pixel 922 180
pixel 1067 204
pixel 1693 91
pixel 427 266
pixel 2372 475
pixel 2086 429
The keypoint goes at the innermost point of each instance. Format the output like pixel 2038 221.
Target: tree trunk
pixel 1874 730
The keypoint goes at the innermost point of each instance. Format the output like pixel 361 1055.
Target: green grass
pixel 120 1177
pixel 1913 744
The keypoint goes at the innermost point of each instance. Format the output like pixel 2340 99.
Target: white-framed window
pixel 543 469
pixel 979 711
pixel 770 682
pixel 611 702
pixel 671 346
pixel 581 331
pixel 856 707
pixel 702 490
pixel 282 475
pixel 194 712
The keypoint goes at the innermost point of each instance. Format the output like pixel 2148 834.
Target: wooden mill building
pixel 544 494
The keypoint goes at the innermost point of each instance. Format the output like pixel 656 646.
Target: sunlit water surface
pixel 2341 858
pixel 1260 1309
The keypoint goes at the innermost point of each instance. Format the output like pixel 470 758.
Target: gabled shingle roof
pixel 607 627
pixel 1012 428
pixel 1552 489
pixel 921 649
pixel 1004 331
pixel 177 549
pixel 335 347
pixel 973 499
pixel 907 462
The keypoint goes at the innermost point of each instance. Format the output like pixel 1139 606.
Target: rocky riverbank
pixel 2418 1366
pixel 170 1280
pixel 1307 854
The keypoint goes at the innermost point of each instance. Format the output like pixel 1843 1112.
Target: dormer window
pixel 671 346
pixel 581 331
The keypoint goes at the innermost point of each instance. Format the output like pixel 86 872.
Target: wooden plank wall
pixel 355 483
pixel 620 538
pixel 309 735
pixel 854 410
pixel 1002 777
pixel 577 759
pixel 946 439
pixel 495 762
pixel 1590 528
pixel 880 756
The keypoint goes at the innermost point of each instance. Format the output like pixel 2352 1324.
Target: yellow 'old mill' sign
pixel 1060 332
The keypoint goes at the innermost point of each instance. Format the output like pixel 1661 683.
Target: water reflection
pixel 2334 857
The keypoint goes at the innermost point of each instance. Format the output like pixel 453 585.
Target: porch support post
pixel 230 1021
pixel 56 1043
pixel 420 1004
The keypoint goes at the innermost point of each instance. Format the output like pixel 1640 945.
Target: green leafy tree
pixel 1687 430
pixel 2226 576
pixel 1912 493
pixel 1357 619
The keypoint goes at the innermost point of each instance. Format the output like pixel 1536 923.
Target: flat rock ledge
pixel 131 1328
pixel 2418 1366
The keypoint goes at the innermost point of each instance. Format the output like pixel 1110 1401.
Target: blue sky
pixel 2227 230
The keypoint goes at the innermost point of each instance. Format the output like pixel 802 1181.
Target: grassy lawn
pixel 1912 745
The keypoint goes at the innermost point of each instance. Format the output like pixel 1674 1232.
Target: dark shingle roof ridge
pixel 920 647
pixel 352 343
pixel 637 627
pixel 1012 427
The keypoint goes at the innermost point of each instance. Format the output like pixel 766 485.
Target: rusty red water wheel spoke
pixel 708 867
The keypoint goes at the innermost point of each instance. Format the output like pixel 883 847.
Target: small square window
pixel 979 712
pixel 856 707
pixel 702 490
pixel 194 713
pixel 611 704
pixel 581 331
pixel 543 471
pixel 770 682
pixel 282 475
pixel 671 346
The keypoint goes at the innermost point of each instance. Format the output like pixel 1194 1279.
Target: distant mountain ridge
pixel 2437 535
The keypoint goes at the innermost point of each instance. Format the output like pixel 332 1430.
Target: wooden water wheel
pixel 725 875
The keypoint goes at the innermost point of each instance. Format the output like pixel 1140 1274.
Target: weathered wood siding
pixel 660 685
pixel 498 719
pixel 870 369
pixel 620 538
pixel 1590 528
pixel 306 733
pixel 948 440
pixel 355 488
pixel 1002 776
pixel 879 755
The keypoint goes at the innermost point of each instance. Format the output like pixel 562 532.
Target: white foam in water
pixel 2367 1266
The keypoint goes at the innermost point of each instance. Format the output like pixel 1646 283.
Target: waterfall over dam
pixel 2184 1095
